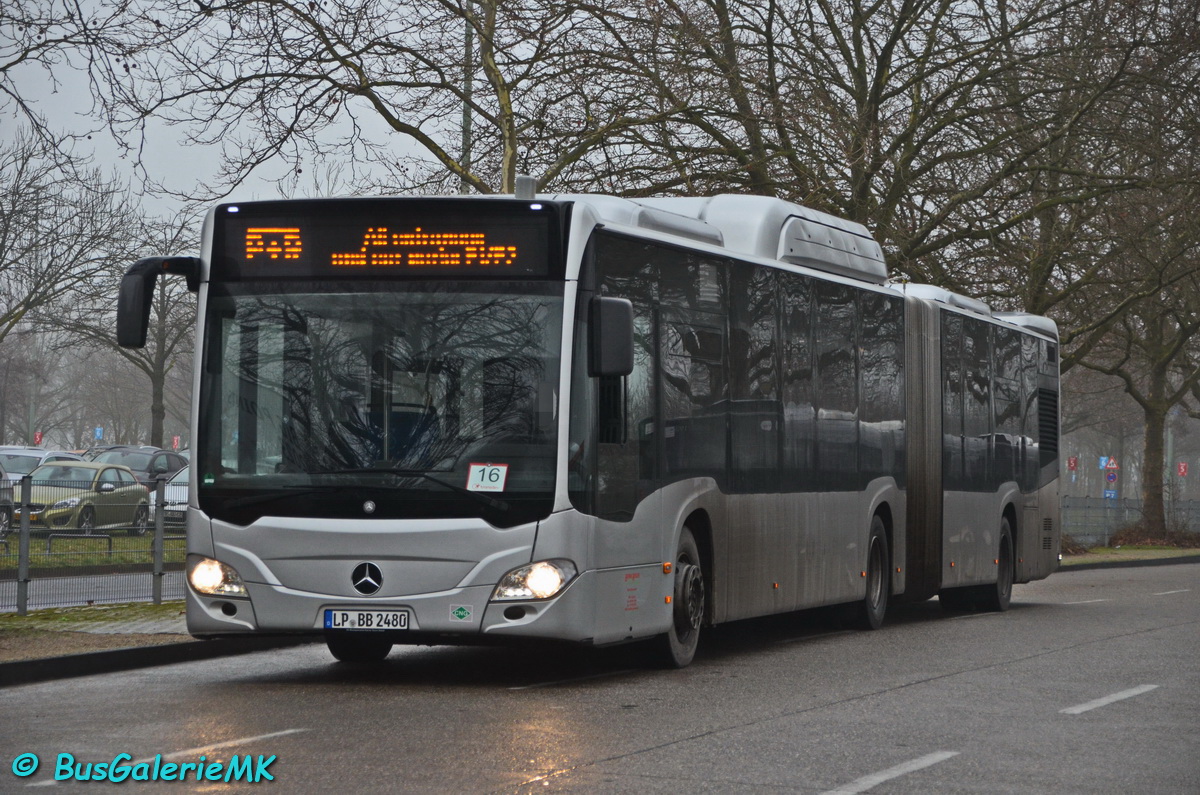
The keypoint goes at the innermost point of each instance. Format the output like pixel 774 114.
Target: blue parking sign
pixel 99 433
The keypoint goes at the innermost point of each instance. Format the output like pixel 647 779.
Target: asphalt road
pixel 1090 684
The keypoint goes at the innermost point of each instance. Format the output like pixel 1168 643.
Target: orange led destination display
pixel 382 248
pixel 273 242
pixel 387 238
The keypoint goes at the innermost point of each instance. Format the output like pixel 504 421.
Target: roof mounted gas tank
pixel 831 244
pixel 772 228
pixel 931 292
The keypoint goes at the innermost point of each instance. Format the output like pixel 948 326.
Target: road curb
pixel 22 672
pixel 1128 564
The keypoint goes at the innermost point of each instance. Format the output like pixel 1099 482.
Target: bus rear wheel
pixel 874 605
pixel 358 647
pixel 677 647
pixel 997 598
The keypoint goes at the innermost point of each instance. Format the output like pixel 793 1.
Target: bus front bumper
pixel 460 615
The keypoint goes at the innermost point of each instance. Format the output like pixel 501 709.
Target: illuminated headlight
pixel 70 502
pixel 540 580
pixel 214 578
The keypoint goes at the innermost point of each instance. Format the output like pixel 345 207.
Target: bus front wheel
pixel 677 646
pixel 358 647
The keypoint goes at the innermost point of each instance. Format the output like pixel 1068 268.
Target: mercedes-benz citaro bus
pixel 593 420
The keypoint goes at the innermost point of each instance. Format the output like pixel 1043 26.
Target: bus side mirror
pixel 137 294
pixel 610 347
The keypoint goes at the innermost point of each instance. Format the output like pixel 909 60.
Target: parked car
pixel 146 463
pixel 6 503
pixel 175 500
pixel 85 496
pixel 91 453
pixel 20 461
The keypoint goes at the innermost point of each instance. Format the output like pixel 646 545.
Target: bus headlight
pixel 540 580
pixel 214 578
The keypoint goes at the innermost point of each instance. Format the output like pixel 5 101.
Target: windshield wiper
pixel 491 502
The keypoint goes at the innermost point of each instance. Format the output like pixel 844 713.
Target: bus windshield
pixel 380 400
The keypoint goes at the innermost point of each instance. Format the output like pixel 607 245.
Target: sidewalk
pixel 58 644
pixel 139 636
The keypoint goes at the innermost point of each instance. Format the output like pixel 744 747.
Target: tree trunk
pixel 1153 516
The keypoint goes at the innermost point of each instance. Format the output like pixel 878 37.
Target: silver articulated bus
pixel 596 420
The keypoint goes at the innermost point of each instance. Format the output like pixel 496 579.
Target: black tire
pixel 358 647
pixel 87 520
pixel 874 605
pixel 141 521
pixel 677 647
pixel 998 597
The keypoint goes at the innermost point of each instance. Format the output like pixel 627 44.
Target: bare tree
pixel 166 359
pixel 421 94
pixel 40 38
pixel 57 230
pixel 1152 349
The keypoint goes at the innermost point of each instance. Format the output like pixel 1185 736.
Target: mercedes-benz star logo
pixel 369 506
pixel 367 578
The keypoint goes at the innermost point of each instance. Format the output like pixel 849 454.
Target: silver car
pixel 175 501
pixel 20 461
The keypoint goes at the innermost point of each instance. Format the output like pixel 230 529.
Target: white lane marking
pixel 875 779
pixel 1087 601
pixel 536 685
pixel 192 752
pixel 1168 593
pixel 1100 702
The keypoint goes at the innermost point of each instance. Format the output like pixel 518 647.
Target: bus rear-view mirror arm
pixel 137 293
pixel 611 343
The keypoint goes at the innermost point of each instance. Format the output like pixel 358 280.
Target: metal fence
pixel 83 542
pixel 1093 521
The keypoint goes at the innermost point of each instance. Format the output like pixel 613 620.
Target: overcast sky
pixel 166 160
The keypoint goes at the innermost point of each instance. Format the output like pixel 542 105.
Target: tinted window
pixel 1006 403
pixel 952 402
pixel 755 410
pixel 882 427
pixel 977 403
pixel 799 416
pixel 837 386
pixel 612 466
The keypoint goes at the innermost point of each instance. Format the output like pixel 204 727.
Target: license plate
pixel 366 619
